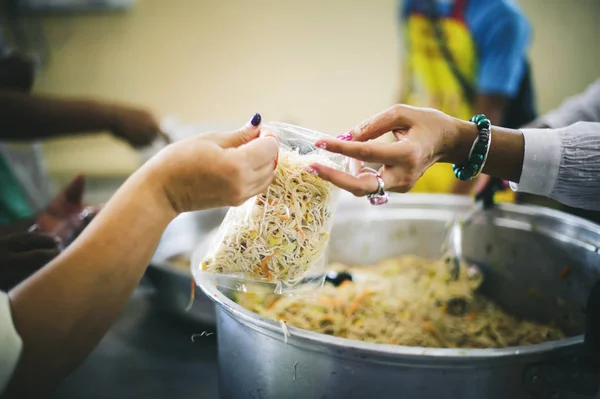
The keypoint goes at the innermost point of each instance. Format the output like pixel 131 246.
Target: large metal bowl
pixel 521 249
pixel 173 284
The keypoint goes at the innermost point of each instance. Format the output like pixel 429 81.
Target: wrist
pixel 458 140
pixel 154 181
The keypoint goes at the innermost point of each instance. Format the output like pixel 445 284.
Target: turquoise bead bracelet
pixel 479 151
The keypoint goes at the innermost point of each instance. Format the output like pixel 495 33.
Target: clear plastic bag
pixel 277 240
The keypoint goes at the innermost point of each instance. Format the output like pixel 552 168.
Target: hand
pixel 138 127
pixel 424 136
pixel 65 217
pixel 216 170
pixel 21 254
pixel 65 205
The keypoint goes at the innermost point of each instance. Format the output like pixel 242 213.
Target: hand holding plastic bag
pixel 278 239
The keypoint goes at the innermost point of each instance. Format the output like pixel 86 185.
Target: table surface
pixel 147 354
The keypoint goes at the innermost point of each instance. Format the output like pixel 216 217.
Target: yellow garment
pixel 431 83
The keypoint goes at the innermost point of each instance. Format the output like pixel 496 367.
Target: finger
pixel 262 184
pixel 29 240
pixel 360 185
pixel 247 133
pixel 395 117
pixel 355 166
pixel 259 152
pixel 371 151
pixel 35 259
pixel 74 191
pixel 394 183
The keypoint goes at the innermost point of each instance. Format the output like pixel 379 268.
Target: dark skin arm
pixel 27 117
pixel 493 107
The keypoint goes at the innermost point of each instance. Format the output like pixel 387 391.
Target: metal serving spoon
pixel 452 245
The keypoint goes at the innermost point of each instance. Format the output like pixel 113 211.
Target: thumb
pixel 247 133
pixel 74 191
pixel 393 118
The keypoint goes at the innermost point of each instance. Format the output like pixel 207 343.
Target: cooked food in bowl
pixel 404 301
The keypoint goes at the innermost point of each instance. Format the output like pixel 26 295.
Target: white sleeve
pixel 584 107
pixel 563 164
pixel 10 343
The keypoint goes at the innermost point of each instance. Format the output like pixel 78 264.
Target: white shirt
pixel 563 162
pixel 10 343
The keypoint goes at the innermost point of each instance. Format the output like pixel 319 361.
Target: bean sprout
pixel 278 235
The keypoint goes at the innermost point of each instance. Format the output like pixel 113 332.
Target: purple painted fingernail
pixel 321 144
pixel 312 171
pixel 255 121
pixel 347 136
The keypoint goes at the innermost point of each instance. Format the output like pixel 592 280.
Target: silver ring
pixel 379 197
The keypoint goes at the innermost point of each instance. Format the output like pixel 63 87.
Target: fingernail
pixel 347 136
pixel 312 171
pixel 321 144
pixel 255 121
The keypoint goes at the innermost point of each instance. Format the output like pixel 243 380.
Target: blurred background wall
pixel 322 64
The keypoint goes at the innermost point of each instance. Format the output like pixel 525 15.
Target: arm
pixel 584 107
pixel 27 117
pixel 63 310
pixel 73 305
pixel 561 163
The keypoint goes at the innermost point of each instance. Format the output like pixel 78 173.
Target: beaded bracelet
pixel 479 151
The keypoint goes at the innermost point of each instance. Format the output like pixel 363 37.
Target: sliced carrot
pixel 427 326
pixel 284 218
pixel 356 302
pixel 471 316
pixel 327 301
pixel 192 297
pixel 272 304
pixel 564 273
pixel 263 265
pixel 346 282
pixel 299 230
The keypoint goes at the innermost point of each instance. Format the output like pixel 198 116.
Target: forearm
pixel 26 117
pixel 63 310
pixel 563 164
pixel 584 107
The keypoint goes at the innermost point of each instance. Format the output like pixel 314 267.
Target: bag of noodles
pixel 277 240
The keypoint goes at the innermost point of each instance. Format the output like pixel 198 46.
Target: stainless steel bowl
pixel 173 284
pixel 521 250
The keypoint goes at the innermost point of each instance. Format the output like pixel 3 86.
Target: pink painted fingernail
pixel 313 171
pixel 321 144
pixel 347 136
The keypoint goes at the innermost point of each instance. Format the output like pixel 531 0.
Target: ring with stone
pixel 379 197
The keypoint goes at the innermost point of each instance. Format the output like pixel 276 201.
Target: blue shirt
pixel 501 34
